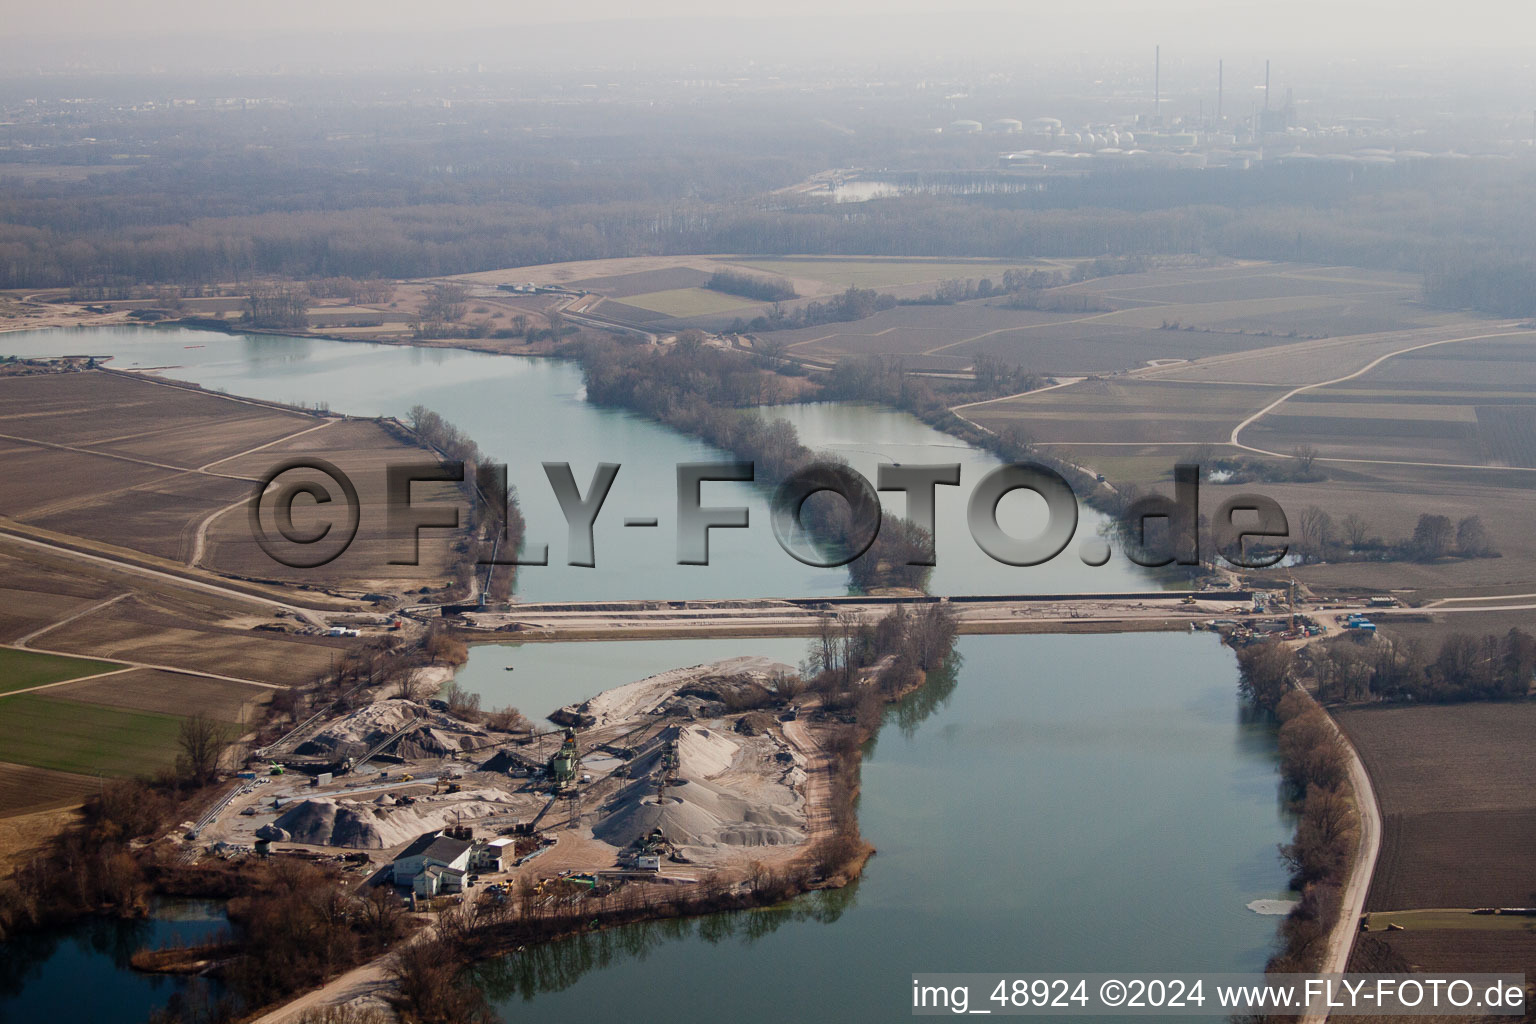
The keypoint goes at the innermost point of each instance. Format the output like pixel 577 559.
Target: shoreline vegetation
pixel 297 925
pixel 858 669
pixel 1315 783
pixel 709 394
pixel 1318 764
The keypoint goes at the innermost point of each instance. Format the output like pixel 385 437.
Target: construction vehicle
pixel 275 769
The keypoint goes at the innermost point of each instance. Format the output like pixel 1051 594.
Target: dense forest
pixel 221 214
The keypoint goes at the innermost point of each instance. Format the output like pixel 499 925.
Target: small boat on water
pixel 508 669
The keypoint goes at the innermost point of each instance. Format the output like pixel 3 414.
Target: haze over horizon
pixel 73 33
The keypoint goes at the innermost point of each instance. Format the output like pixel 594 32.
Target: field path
pixel 131 666
pixel 251 451
pixel 23 641
pixel 66 682
pixel 115 456
pixel 1061 382
pixel 199 540
pixel 370 980
pixel 1352 899
pixel 1233 440
pixel 367 981
pixel 307 614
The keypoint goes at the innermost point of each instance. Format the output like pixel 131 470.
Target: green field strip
pixel 20 670
pixel 86 739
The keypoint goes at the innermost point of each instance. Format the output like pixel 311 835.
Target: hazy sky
pixel 1372 24
pixel 1415 42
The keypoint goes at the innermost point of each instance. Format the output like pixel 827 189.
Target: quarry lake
pixel 81 973
pixel 1069 803
pixel 527 411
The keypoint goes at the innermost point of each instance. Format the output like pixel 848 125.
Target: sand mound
pixel 704 753
pixel 372 826
pixel 718 801
pixel 641 697
pixel 352 736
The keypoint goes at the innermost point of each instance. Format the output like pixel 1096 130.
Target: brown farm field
pixel 124 537
pixel 1065 344
pixel 1279 298
pixel 1467 403
pixel 1123 410
pixel 170 470
pixel 1457 789
pixel 139 418
pixel 25 790
pixel 362 449
pixel 198 634
pixel 1437 420
pixel 1489 952
pixel 125 461
pixel 1134 320
pixel 127 615
pixel 170 693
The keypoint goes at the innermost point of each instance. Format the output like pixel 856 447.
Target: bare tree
pixel 1306 456
pixel 442 647
pixel 461 703
pixel 446 303
pixel 410 683
pixel 381 913
pixel 932 635
pixel 202 740
pixel 1355 529
pixel 273 305
pixel 430 984
pixel 508 719
pixel 1432 536
pixel 787 685
pixel 1473 539
pixel 1317 531
pixel 822 655
pixel 1265 672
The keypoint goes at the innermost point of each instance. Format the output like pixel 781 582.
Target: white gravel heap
pixel 320 821
pixel 728 795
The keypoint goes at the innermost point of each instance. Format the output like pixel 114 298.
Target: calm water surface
pixel 1068 803
pixel 1090 803
pixel 527 411
pixel 81 973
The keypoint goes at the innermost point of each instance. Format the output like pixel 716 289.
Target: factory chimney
pixel 1219 70
pixel 1157 81
pixel 1266 85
